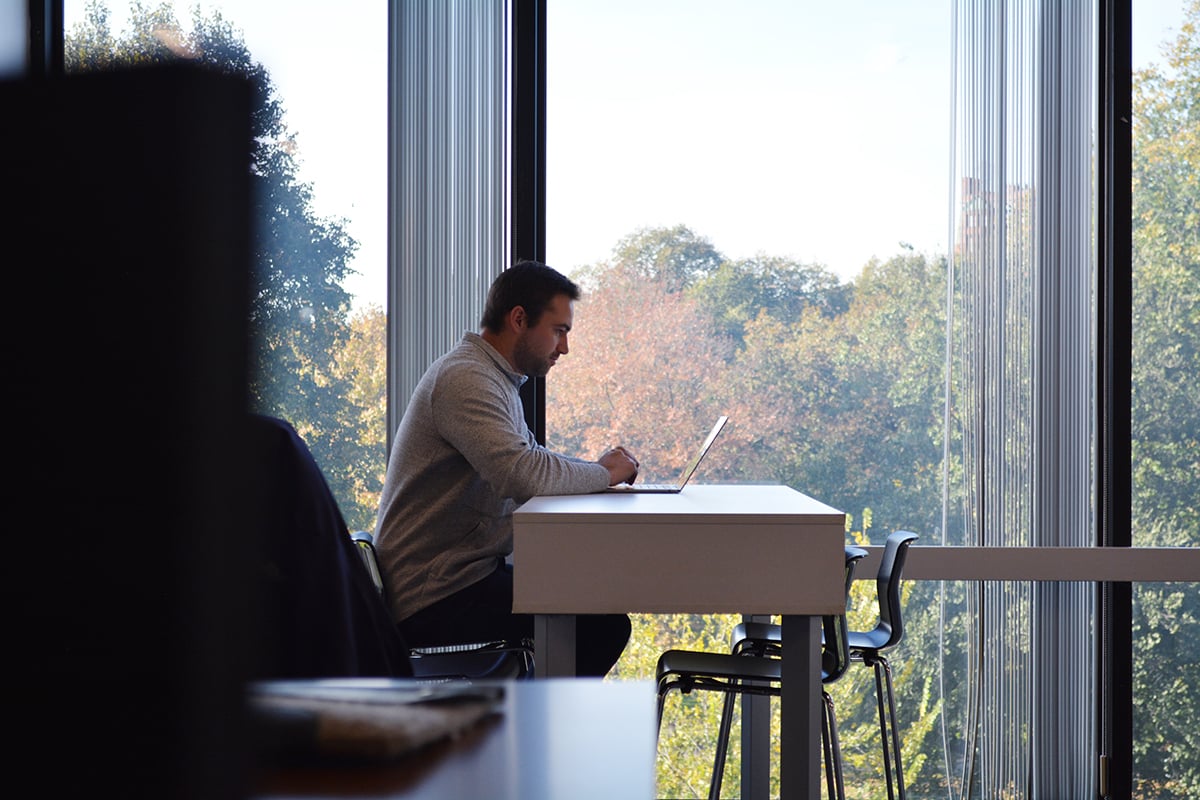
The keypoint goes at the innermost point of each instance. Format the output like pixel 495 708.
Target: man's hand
pixel 621 465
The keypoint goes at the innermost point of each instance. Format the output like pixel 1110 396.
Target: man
pixel 463 460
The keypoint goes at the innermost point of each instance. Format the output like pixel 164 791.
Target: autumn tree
pixel 644 369
pixel 361 366
pixel 832 389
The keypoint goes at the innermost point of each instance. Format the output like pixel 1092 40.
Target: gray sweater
pixel 462 461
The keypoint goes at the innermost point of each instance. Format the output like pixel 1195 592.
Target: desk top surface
pixel 555 738
pixel 714 503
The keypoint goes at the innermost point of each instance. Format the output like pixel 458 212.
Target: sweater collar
pixel 478 341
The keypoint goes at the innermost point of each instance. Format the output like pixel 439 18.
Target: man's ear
pixel 517 318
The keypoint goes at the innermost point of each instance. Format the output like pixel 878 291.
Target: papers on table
pixel 363 719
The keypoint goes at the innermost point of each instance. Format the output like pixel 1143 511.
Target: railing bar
pixel 1136 564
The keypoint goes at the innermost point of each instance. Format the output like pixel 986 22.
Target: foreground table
pixel 580 738
pixel 744 549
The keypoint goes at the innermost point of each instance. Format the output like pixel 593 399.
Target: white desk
pixel 745 549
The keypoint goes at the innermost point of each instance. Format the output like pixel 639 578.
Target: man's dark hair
pixel 529 284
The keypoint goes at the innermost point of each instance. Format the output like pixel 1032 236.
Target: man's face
pixel 538 347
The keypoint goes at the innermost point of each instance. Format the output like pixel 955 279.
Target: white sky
pixel 772 129
pixel 836 115
pixel 811 129
pixel 328 61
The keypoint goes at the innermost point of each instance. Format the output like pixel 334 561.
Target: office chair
pixel 753 669
pixel 868 648
pixel 314 612
pixel 473 661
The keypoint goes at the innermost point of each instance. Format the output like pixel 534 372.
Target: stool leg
pixel 880 704
pixel 718 773
pixel 662 694
pixel 833 751
pixel 891 704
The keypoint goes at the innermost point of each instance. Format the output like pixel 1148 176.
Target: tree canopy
pixel 299 308
pixel 1165 418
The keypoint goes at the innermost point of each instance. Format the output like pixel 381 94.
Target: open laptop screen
pixel 688 470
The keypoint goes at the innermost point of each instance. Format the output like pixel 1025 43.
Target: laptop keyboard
pixel 642 487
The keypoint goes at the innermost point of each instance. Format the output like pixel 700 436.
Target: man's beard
pixel 529 364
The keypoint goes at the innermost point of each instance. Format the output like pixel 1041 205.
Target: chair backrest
pixel 320 614
pixel 498 659
pixel 835 652
pixel 365 542
pixel 890 628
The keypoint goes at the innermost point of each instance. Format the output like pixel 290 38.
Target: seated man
pixel 464 459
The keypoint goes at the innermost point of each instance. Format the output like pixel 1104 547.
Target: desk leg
pixel 756 739
pixel 554 645
pixel 800 709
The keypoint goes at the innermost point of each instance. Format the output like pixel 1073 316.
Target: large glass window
pixel 320 180
pixel 758 205
pixel 749 202
pixel 755 200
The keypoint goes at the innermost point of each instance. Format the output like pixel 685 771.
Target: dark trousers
pixel 482 612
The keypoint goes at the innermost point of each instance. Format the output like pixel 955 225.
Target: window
pixel 755 201
pixel 676 174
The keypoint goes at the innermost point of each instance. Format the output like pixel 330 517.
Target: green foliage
pixel 362 367
pixel 1166 316
pixel 852 371
pixel 851 402
pixel 1165 421
pixel 676 257
pixel 299 310
pixel 736 292
pixel 690 722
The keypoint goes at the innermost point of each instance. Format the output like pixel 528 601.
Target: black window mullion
pixel 45 38
pixel 1113 392
pixel 528 164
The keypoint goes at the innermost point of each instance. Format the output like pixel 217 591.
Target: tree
pixel 736 292
pixel 298 307
pixel 644 369
pixel 835 391
pixel 361 366
pixel 850 404
pixel 1166 311
pixel 675 257
pixel 1165 419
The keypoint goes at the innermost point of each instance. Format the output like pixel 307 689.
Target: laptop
pixel 688 471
